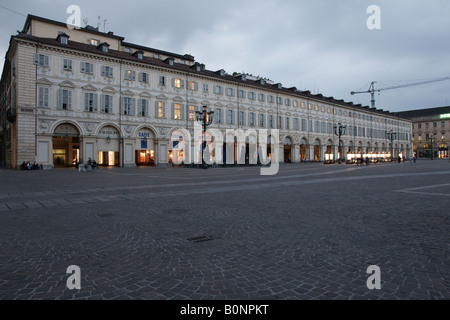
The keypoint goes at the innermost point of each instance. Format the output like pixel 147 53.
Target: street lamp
pixel 432 140
pixel 339 130
pixel 391 135
pixel 206 117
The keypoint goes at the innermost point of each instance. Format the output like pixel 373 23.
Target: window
pixel 323 110
pixel 303 105
pixel 143 77
pixel 251 95
pixel 287 102
pixel 329 128
pixel 279 100
pixel 427 125
pixel 420 126
pixel 309 106
pixel 280 122
pixel 43 97
pixel 205 87
pixel 218 115
pixel 241 118
pixel 156 56
pixel 241 94
pixel 434 124
pixel 41 60
pixel 262 120
pixel 67 65
pixel 316 126
pixel 176 111
pixel 304 126
pixel 128 106
pixel 251 119
pixel 193 86
pixel 130 75
pixel 127 50
pixel 107 71
pixel 143 108
pixel 182 61
pixel 218 90
pixel 94 42
pixel 295 103
pixel 64 99
pixel 87 67
pixel 106 103
pixel 162 80
pixel 230 92
pixel 324 127
pixel 270 121
pixel 178 83
pixel 90 102
pixel 192 113
pixel 442 124
pixel 316 108
pixel 64 40
pixel 270 99
pixel 296 124
pixel 230 117
pixel 160 109
pixel 261 97
pixel 105 48
pixel 288 122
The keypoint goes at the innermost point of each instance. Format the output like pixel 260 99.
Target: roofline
pixel 167 53
pixel 183 68
pixel 33 17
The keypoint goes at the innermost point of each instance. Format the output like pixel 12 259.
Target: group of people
pixel 91 165
pixel 28 166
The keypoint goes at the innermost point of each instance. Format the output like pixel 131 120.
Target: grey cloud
pixel 312 45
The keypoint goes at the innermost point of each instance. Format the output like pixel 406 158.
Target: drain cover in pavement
pixel 200 239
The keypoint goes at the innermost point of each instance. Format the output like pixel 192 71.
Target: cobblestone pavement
pixel 309 232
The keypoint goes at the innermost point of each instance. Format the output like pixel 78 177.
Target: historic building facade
pixel 67 95
pixel 431 131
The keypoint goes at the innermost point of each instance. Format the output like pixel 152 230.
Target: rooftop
pixel 196 68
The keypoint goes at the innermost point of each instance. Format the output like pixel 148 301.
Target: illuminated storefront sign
pixel 445 116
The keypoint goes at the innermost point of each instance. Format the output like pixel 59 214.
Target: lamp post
pixel 432 140
pixel 206 117
pixel 391 135
pixel 339 130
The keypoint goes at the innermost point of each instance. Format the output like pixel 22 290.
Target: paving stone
pixel 291 236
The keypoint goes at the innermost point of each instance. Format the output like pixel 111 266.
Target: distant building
pixel 67 95
pixel 431 131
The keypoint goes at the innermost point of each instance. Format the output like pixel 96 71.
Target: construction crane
pixel 372 89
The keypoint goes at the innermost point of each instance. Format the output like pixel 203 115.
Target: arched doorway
pixel 303 145
pixel 359 150
pixel 108 146
pixel 287 150
pixel 351 149
pixel 251 148
pixel 66 145
pixel 229 152
pixel 145 147
pixel 329 153
pixel 340 154
pixel 317 150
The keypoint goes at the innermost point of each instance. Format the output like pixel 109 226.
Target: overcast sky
pixel 323 46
